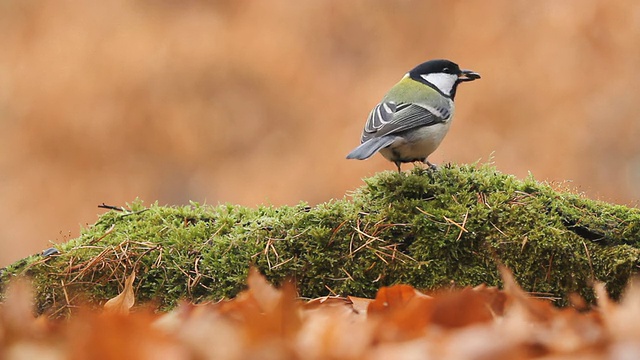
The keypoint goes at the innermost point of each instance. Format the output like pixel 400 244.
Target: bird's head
pixel 443 75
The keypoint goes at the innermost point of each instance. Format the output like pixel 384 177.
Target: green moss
pixel 425 228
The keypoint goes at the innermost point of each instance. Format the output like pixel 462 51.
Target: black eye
pixel 445 69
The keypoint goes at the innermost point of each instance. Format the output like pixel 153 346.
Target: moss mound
pixel 425 228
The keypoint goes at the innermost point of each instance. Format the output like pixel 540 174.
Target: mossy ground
pixel 425 228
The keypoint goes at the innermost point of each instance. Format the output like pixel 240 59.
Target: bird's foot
pixel 430 165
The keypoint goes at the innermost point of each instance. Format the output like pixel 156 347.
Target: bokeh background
pixel 258 102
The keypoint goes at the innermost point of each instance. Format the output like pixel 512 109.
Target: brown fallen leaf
pixel 123 301
pixel 391 298
pixel 494 298
pixel 277 316
pixel 116 335
pixel 400 313
pixel 16 311
pixel 360 305
pixel 460 308
pixel 333 329
pixel 536 309
pixel 327 301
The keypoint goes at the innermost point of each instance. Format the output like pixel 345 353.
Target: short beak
pixel 468 75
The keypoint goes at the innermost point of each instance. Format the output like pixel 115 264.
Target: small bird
pixel 414 116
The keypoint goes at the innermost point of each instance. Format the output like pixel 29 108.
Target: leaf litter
pixel 265 322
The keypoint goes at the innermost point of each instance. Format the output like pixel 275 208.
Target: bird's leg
pixel 398 165
pixel 431 166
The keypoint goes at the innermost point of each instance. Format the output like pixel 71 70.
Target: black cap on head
pixel 436 66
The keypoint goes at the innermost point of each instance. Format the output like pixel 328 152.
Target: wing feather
pixel 389 118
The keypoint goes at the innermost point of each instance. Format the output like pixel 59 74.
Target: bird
pixel 415 115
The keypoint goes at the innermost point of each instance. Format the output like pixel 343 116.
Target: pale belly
pixel 416 145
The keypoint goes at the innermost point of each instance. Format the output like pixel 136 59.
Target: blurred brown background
pixel 258 102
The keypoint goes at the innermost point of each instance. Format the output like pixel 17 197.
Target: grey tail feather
pixel 370 147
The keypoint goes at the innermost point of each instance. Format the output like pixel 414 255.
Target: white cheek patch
pixel 442 81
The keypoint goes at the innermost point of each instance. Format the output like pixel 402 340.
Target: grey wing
pixel 390 118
